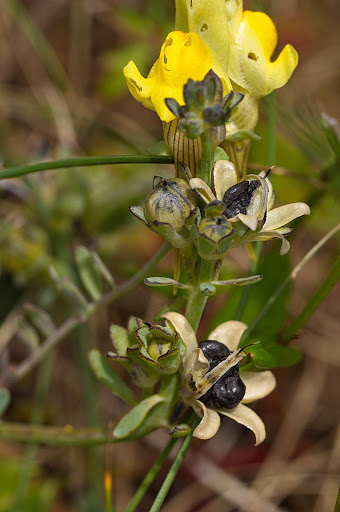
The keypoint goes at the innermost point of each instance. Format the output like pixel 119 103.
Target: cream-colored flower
pixel 249 206
pixel 198 379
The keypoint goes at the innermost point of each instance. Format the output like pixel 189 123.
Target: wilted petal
pixel 250 221
pixel 200 187
pixel 186 332
pixel 210 422
pixel 258 385
pixel 285 214
pixel 229 333
pixel 263 236
pixel 247 417
pixel 224 177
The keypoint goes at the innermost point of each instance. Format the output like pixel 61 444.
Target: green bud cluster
pixel 205 107
pixel 146 351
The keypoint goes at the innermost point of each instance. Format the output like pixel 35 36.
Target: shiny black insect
pixel 229 390
pixel 238 197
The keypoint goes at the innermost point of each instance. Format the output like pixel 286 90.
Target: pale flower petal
pixel 229 333
pixel 263 236
pixel 205 192
pixel 247 417
pixel 224 177
pixel 186 332
pixel 258 385
pixel 210 423
pixel 285 214
pixel 250 221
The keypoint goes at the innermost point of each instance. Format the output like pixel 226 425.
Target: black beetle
pixel 229 390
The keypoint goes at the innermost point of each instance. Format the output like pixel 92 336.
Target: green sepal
pixel 220 154
pixel 41 320
pixel 138 212
pixel 88 272
pixel 170 361
pixel 120 339
pixel 180 430
pixel 145 356
pixel 108 376
pixel 5 398
pixel 131 423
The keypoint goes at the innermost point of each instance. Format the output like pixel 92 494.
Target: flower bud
pixel 167 208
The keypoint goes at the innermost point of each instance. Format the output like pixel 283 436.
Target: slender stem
pixel 150 477
pixel 319 296
pixel 21 170
pixel 53 436
pixel 174 469
pixel 206 161
pixel 74 321
pixel 197 301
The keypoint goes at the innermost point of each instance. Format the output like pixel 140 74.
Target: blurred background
pixel 62 93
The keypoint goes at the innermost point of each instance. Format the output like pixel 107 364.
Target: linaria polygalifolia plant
pixel 212 71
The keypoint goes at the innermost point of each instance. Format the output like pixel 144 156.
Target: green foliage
pixel 5 398
pixel 109 377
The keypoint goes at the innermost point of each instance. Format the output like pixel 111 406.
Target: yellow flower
pixel 250 65
pixel 183 56
pixel 199 376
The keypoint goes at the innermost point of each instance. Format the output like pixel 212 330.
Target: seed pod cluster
pixel 229 390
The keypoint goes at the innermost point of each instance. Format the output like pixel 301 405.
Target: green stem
pixel 319 296
pixel 74 321
pixel 174 469
pixel 21 170
pixel 53 436
pixel 196 303
pixel 206 161
pixel 150 477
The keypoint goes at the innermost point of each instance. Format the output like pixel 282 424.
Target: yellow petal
pixel 182 56
pixel 250 66
pixel 224 177
pixel 284 214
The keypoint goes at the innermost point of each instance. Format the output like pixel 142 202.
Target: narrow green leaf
pixel 134 418
pixel 163 281
pixel 40 319
pixel 88 272
pixel 242 281
pixel 103 270
pixel 71 293
pixel 315 301
pixel 28 334
pixel 5 398
pixel 107 376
